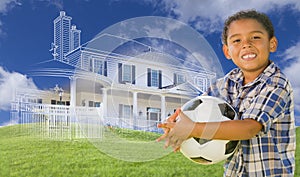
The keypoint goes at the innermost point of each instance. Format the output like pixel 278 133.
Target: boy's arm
pixel 185 128
pixel 227 130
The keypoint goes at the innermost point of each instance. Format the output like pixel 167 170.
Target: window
pixel 97 104
pixel 179 79
pixel 153 114
pixel 31 100
pixel 125 111
pixel 94 104
pixel 154 78
pixel 98 66
pixel 126 73
pixel 201 83
pixel 57 102
pixel 39 100
pixel 53 101
pixel 91 104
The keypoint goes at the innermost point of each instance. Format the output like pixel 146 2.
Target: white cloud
pixel 208 16
pixel 9 82
pixel 5 5
pixel 56 3
pixel 292 56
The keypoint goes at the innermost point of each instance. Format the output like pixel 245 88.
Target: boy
pixel 262 97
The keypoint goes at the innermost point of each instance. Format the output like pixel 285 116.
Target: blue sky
pixel 26 32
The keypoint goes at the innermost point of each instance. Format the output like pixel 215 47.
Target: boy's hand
pixel 178 130
pixel 170 120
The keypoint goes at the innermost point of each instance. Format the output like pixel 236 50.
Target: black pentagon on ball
pixel 192 105
pixel 227 110
pixel 201 141
pixel 201 160
pixel 230 146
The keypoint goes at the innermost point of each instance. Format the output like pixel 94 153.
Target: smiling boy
pixel 261 95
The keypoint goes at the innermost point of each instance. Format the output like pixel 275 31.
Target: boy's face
pixel 249 46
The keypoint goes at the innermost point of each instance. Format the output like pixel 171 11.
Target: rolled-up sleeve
pixel 267 107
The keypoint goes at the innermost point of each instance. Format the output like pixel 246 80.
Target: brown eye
pixel 236 41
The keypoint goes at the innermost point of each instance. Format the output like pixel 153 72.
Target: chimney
pixel 62 13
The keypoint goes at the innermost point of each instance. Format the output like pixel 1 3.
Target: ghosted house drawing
pixel 135 90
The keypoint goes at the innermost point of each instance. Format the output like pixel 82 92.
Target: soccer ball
pixel 208 109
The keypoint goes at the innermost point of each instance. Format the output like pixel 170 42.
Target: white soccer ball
pixel 208 109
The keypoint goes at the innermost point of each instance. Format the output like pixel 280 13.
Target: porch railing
pixel 65 122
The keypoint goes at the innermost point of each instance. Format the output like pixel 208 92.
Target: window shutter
pixel 120 110
pixel 120 72
pixel 91 65
pixel 105 68
pixel 175 79
pixel 159 79
pixel 149 77
pixel 133 74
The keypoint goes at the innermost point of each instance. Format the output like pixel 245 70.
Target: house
pixel 135 84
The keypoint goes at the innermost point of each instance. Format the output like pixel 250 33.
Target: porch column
pixel 72 91
pixel 73 94
pixel 163 107
pixel 134 109
pixel 104 103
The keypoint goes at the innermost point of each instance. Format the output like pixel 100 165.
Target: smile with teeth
pixel 249 56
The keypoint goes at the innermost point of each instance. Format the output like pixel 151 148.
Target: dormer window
pixel 98 66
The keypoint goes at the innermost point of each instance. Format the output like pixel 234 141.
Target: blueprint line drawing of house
pixel 130 82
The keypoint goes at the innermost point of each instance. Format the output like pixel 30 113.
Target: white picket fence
pixel 65 122
pixel 58 121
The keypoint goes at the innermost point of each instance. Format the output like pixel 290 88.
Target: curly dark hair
pixel 262 18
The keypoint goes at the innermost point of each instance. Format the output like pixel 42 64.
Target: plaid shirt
pixel 268 100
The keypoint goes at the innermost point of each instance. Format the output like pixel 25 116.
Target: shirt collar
pixel 236 75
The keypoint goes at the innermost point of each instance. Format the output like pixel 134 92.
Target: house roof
pixel 111 46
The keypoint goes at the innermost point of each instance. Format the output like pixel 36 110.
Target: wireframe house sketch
pixel 134 84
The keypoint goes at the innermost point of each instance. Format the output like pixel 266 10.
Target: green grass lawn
pixel 22 155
